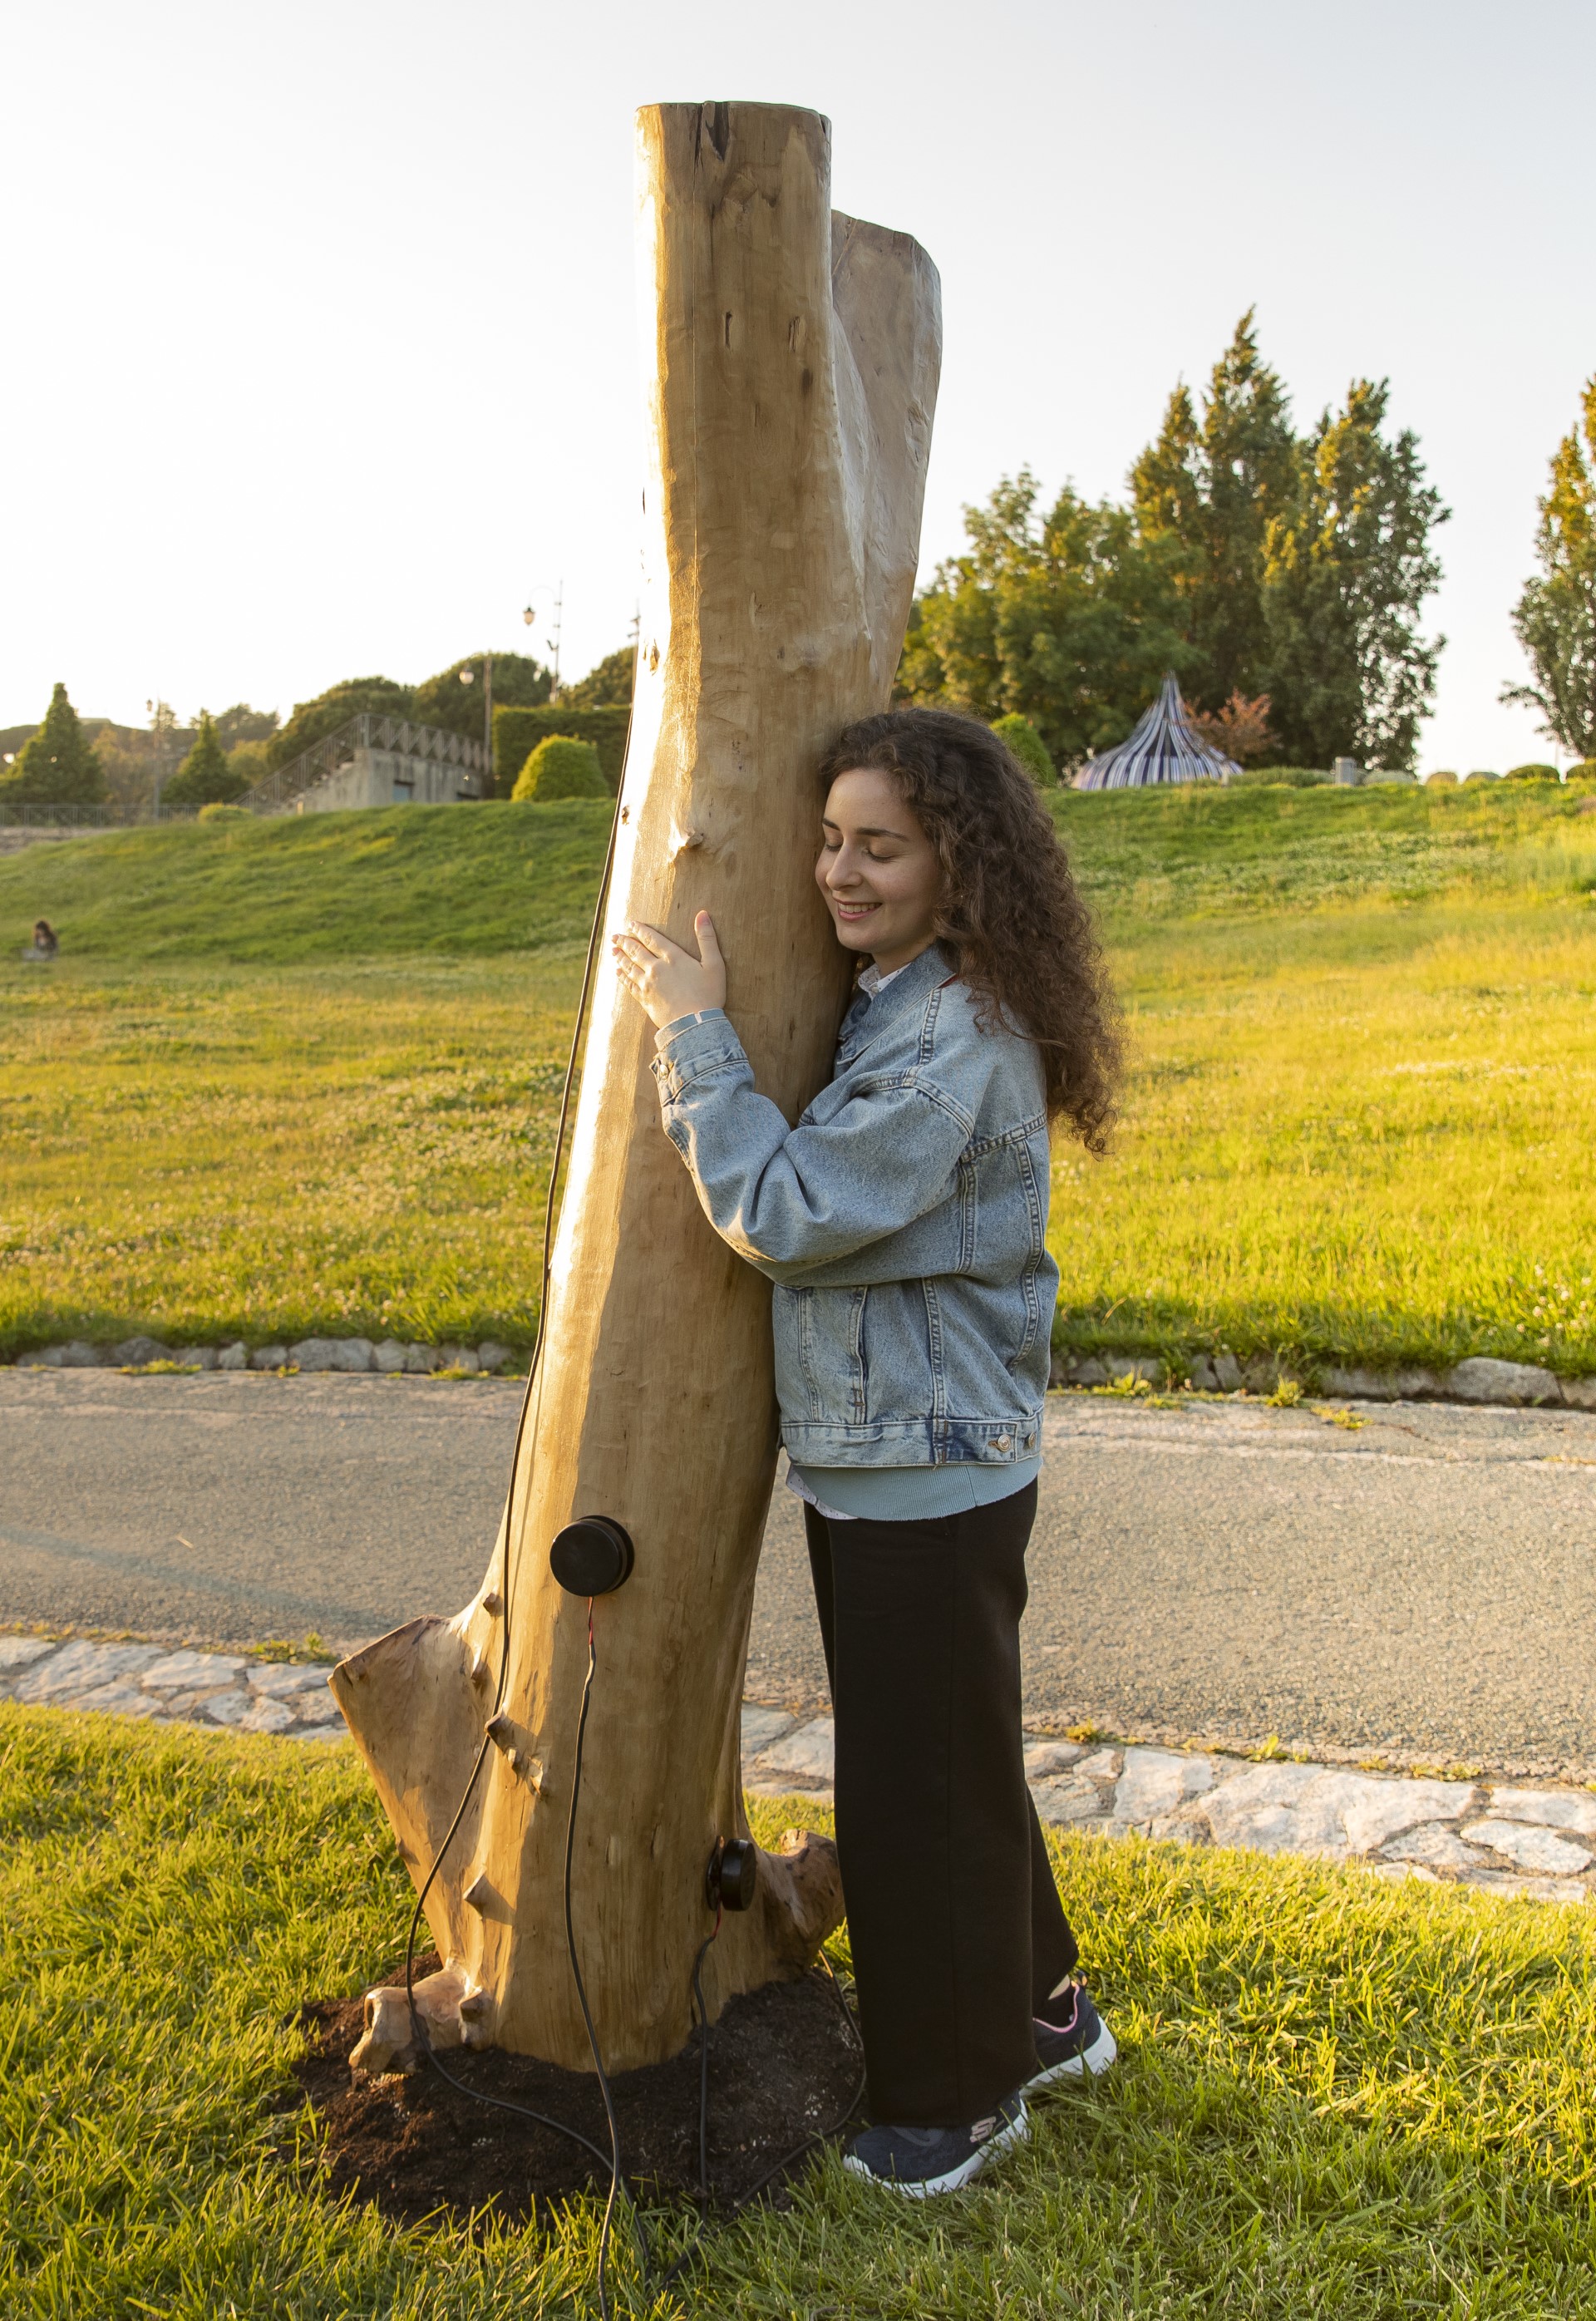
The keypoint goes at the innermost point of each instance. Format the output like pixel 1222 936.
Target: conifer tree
pixel 1212 484
pixel 1556 617
pixel 1345 575
pixel 58 766
pixel 204 778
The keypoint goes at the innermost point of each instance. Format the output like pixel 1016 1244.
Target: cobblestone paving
pixel 1512 1840
pixel 147 1680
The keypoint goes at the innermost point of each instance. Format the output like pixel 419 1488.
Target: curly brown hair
pixel 1009 910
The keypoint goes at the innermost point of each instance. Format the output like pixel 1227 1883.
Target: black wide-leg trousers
pixel 957 1930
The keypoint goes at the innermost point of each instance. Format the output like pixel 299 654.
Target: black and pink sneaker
pixel 1072 2040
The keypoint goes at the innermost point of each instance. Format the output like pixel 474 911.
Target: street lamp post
pixel 469 677
pixel 529 616
pixel 159 728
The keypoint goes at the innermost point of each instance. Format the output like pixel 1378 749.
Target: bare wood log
pixel 794 360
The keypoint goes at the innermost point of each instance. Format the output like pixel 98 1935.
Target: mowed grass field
pixel 1335 2097
pixel 300 1076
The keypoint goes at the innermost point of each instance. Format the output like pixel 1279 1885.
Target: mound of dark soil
pixel 783 2064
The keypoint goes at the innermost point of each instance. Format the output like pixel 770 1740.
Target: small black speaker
pixel 592 1556
pixel 732 1875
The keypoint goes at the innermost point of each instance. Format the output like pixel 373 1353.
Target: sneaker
pixel 918 2161
pixel 1072 2040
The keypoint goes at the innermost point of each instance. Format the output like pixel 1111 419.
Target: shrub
pixel 204 778
pixel 1483 776
pixel 219 810
pixel 561 767
pixel 1440 776
pixel 1585 771
pixel 1022 739
pixel 518 730
pixel 1530 774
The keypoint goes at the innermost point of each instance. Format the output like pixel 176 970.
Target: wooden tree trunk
pixel 793 373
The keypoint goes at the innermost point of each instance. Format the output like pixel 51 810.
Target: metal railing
pixel 404 739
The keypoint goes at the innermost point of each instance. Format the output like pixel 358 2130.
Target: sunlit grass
pixel 1365 1134
pixel 357 1149
pixel 1335 2096
pixel 299 1077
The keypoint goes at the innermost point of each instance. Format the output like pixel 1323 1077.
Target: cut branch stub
pixel 790 380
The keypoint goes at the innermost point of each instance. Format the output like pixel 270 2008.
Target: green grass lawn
pixel 361 1147
pixel 298 1076
pixel 1335 2096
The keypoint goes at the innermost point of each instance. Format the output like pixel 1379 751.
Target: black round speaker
pixel 592 1556
pixel 733 1874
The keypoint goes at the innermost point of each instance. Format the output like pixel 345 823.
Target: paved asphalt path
pixel 1422 1584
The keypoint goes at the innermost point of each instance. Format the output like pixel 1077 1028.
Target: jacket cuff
pixel 691 1050
pixel 680 1024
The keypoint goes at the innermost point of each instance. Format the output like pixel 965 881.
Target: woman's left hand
pixel 667 980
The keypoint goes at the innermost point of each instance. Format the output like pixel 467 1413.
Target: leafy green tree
pixel 350 697
pixel 206 777
pixel 58 766
pixel 1026 744
pixel 1345 575
pixel 243 723
pixel 561 768
pixel 1209 487
pixel 1555 619
pixel 519 682
pixel 251 761
pixel 606 685
pixel 1069 620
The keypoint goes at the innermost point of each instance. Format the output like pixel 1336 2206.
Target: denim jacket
pixel 903 1222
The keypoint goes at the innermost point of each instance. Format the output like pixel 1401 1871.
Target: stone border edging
pixel 1494 1834
pixel 221 1689
pixel 391 1357
pixel 1482 1380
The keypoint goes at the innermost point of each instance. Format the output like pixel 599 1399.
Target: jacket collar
pixel 867 1018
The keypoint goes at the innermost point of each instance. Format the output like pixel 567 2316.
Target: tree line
pixel 69 761
pixel 1280 575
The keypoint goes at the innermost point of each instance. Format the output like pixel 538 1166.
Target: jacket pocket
pixel 828 1337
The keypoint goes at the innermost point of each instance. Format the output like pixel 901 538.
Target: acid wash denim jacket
pixel 903 1222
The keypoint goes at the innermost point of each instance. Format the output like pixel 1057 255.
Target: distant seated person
pixel 45 941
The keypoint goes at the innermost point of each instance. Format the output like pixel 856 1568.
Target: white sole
pixel 1095 2059
pixel 1017 2131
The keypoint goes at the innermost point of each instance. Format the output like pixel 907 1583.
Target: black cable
pixel 820 2135
pixel 576 1970
pixel 704 2063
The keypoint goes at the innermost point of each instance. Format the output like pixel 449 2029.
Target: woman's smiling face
pixel 877 870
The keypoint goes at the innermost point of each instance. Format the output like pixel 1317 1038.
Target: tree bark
pixel 793 359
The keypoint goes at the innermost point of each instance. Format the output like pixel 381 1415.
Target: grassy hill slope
pixel 482 879
pixel 469 880
pixel 300 1076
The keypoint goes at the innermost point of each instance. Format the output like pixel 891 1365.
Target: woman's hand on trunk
pixel 666 980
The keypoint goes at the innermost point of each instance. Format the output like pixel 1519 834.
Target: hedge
pixel 518 732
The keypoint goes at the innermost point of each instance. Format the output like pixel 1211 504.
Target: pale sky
pixel 320 322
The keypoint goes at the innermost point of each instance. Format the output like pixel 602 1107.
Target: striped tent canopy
pixel 1166 747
